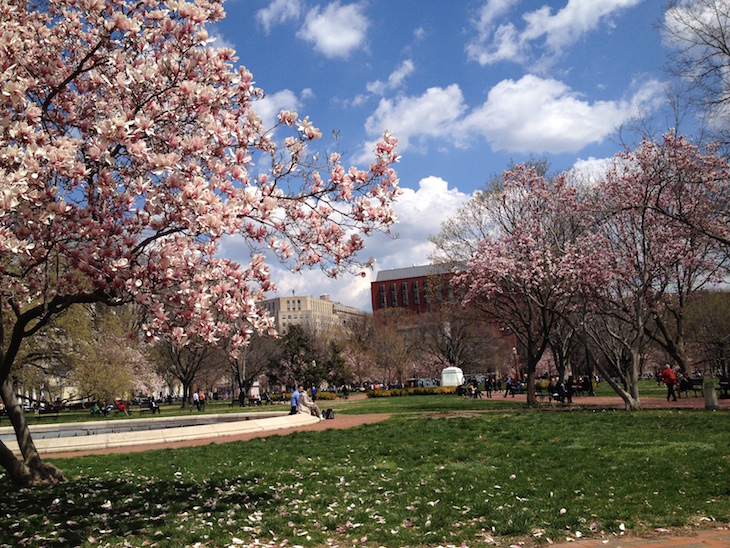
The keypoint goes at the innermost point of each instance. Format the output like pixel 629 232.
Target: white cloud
pixel 432 114
pixel 336 31
pixel 552 33
pixel 269 107
pixel 504 44
pixel 278 12
pixel 215 32
pixel 531 114
pixel 420 214
pixel 544 115
pixel 395 80
pixel 589 171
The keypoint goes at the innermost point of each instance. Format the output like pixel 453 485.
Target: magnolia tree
pixel 126 153
pixel 477 220
pixel 518 275
pixel 677 177
pixel 643 261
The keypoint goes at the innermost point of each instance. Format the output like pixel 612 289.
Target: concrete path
pixel 94 436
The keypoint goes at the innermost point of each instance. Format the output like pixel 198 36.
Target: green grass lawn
pixel 417 479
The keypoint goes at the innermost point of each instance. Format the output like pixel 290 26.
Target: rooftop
pixel 413 272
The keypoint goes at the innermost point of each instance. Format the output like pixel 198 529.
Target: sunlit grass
pixel 415 479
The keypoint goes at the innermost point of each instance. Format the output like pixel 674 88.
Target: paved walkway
pixel 247 428
pixel 703 538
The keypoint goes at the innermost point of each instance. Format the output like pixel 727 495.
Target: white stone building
pixel 316 315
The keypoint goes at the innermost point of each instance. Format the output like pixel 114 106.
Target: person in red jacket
pixel 669 377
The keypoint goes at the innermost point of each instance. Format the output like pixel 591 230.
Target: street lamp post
pixel 517 370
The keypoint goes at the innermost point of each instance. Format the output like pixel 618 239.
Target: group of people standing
pixel 199 400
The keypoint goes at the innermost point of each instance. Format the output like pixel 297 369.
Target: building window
pixel 383 300
pixel 393 294
pixel 416 296
pixel 299 304
pixel 404 291
pixel 427 291
pixel 288 305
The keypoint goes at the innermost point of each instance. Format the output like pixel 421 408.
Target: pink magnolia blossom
pixel 519 276
pixel 125 159
pixel 125 156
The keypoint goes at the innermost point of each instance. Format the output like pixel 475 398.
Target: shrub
pixel 326 396
pixel 418 391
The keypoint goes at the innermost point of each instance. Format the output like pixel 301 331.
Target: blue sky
pixel 465 86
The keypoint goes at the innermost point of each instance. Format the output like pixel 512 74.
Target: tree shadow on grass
pixel 92 510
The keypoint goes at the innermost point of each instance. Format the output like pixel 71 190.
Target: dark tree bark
pixel 31 470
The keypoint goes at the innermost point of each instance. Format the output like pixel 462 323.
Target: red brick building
pixel 411 290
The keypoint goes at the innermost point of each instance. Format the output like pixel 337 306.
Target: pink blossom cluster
pixel 610 260
pixel 125 156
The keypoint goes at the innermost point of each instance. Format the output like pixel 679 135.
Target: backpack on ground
pixel 328 414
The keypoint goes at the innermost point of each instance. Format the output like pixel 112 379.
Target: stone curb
pixel 155 431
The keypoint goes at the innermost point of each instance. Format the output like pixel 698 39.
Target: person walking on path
pixel 669 377
pixel 508 386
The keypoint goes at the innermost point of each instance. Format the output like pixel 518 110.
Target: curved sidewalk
pixel 81 438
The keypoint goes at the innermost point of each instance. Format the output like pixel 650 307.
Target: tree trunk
pixel 631 397
pixel 187 396
pixel 531 396
pixel 31 470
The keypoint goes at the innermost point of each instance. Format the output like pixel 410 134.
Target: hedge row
pixel 419 391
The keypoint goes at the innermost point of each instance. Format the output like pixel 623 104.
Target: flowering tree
pixel 678 177
pixel 517 276
pixel 475 221
pixel 126 153
pixel 642 262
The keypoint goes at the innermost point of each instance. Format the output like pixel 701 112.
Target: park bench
pixel 48 411
pixel 724 388
pixel 148 405
pixel 540 393
pixel 695 385
pixel 100 410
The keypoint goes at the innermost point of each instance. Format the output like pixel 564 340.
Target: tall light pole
pixel 517 370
